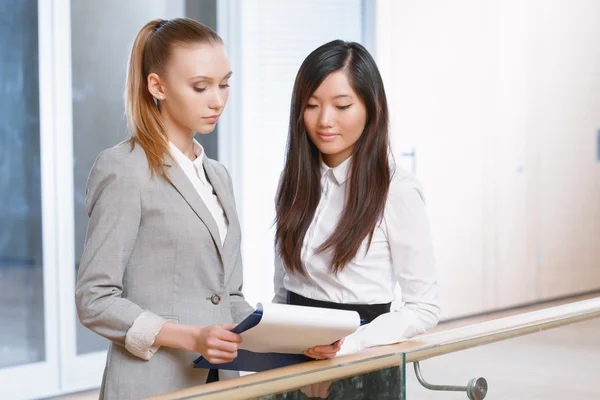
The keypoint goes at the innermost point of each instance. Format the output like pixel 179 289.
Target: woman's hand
pixel 320 389
pixel 217 343
pixel 324 352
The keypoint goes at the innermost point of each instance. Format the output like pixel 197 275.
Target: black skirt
pixel 378 385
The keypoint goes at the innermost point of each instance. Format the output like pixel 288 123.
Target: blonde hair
pixel 150 53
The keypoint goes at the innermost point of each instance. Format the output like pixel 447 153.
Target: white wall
pixel 500 98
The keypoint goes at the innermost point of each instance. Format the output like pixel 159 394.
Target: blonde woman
pixel 161 273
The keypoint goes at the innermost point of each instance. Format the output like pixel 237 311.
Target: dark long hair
pixel 370 174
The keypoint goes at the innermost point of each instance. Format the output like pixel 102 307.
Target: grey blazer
pixel 153 246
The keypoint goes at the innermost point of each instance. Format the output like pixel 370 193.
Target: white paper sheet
pixel 293 329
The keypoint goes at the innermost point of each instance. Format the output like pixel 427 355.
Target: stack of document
pixel 276 335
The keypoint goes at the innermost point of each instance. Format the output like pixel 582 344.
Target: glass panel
pixel 383 384
pixel 388 383
pixel 21 258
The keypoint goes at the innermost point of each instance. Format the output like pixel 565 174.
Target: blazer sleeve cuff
pixel 140 337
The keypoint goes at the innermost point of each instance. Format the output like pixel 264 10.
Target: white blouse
pixel 194 170
pixel 401 252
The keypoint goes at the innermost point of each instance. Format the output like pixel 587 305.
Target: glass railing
pixel 383 369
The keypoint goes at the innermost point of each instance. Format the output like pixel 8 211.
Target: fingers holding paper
pixel 324 352
pixel 218 344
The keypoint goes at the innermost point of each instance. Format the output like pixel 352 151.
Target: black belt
pixel 367 312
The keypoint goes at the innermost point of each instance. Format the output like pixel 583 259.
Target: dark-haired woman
pixel 350 225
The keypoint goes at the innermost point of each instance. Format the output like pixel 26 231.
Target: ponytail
pixel 143 117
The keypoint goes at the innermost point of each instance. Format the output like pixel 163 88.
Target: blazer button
pixel 215 299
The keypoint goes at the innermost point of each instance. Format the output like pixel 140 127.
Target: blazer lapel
pixel 183 185
pixel 227 202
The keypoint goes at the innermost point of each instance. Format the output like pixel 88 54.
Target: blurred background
pixel 495 108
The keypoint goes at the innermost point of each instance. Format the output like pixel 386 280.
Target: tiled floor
pixel 559 364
